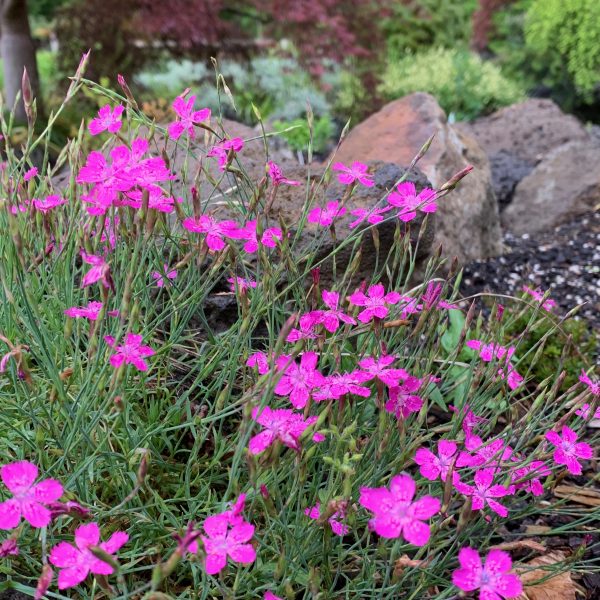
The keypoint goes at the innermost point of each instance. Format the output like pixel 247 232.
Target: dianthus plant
pixel 219 381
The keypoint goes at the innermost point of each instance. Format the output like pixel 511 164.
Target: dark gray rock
pixel 507 171
pixel 565 184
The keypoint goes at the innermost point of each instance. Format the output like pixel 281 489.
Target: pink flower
pixel 357 172
pixel 223 149
pixel 527 477
pixel 335 521
pixel 330 319
pixel 188 541
pixel 326 216
pixel 157 200
pixel 107 119
pixel 374 302
pixel 431 297
pixel 432 466
pixel 470 420
pixel 483 454
pixel 132 352
pixel 568 450
pixel 30 173
pixel 29 498
pixel 22 208
pixel 407 200
pixel 91 311
pixel 298 379
pixel 594 386
pixel 215 231
pixel 514 378
pixel 493 580
pixel 77 561
pixel 277 176
pixel 9 548
pixel 538 295
pixel 44 581
pixel 280 424
pixel 126 169
pixel 271 596
pixel 378 369
pixel 240 284
pixel 409 306
pixel 166 274
pixel 307 322
pixel 483 492
pixel 342 384
pixel 187 117
pixel 48 203
pixel 269 237
pixel 224 540
pixel 100 199
pixel 487 352
pixel 371 215
pixel 402 401
pixel 585 410
pixel 395 512
pixel 100 271
pixel 260 361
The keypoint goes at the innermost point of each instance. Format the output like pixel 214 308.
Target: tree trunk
pixel 18 52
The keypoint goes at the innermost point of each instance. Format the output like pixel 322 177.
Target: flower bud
pixel 451 183
pixel 26 89
pixel 44 582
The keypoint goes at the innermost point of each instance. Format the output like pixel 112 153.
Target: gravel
pixel 566 260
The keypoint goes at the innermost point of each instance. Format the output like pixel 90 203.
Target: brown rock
pixel 467 219
pixel 527 130
pixel 565 184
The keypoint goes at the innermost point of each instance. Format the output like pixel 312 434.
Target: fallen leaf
pixel 537 529
pixel 558 587
pixel 580 495
pixel 529 544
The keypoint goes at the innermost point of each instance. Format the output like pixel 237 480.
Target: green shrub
pixel 299 137
pixel 464 84
pixel 279 87
pixel 552 47
pixel 420 25
pixel 582 344
pixel 567 34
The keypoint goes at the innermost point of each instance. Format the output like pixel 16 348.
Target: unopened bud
pixel 127 91
pixel 143 468
pixel 26 89
pixel 424 148
pixel 9 547
pixel 105 557
pixel 316 275
pixel 451 183
pixel 44 582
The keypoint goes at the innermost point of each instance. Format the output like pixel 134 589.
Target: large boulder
pixel 468 223
pixel 518 137
pixel 565 184
pixel 527 130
